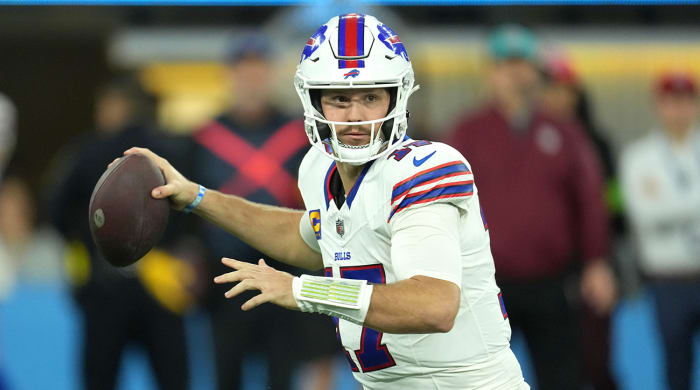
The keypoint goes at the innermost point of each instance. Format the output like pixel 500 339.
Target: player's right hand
pixel 180 190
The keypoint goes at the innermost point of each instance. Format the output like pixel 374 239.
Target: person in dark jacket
pixel 564 98
pixel 253 150
pixel 120 306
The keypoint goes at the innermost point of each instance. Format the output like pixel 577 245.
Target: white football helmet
pixel 355 51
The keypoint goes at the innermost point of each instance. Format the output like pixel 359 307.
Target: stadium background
pixel 52 58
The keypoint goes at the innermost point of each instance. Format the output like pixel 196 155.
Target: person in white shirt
pixel 396 223
pixel 660 180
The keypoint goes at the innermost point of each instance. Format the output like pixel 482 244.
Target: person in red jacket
pixel 542 189
pixel 565 98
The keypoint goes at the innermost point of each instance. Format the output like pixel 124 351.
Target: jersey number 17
pixel 372 355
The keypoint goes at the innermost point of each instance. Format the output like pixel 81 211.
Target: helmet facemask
pixel 383 63
pixel 386 133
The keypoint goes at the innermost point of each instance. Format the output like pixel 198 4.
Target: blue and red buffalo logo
pixel 353 73
pixel 314 42
pixel 392 41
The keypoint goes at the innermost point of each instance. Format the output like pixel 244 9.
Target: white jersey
pixel 661 187
pixel 355 242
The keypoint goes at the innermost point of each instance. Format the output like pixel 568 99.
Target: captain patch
pixel 315 218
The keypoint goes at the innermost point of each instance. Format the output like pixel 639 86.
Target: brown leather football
pixel 125 220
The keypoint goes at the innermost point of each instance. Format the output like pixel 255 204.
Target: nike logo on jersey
pixel 420 162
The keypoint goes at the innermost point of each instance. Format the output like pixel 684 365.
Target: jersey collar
pixel 353 192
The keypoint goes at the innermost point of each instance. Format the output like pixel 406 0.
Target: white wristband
pixel 343 298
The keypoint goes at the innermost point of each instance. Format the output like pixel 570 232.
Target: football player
pixel 396 223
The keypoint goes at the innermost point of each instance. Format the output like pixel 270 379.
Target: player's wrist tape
pixel 196 201
pixel 343 298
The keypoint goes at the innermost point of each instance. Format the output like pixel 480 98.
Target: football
pixel 125 220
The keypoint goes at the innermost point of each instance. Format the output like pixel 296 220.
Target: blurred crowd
pixel 558 200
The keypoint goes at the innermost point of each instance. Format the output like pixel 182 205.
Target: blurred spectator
pixel 7 144
pixel 14 233
pixel 8 115
pixel 142 303
pixel 27 252
pixel 253 150
pixel 543 201
pixel 565 99
pixel 660 176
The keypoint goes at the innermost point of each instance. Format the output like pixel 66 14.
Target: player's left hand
pixel 598 286
pixel 274 286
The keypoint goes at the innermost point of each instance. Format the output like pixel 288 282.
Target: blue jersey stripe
pixel 437 193
pixel 353 191
pixel 428 175
pixel 503 306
